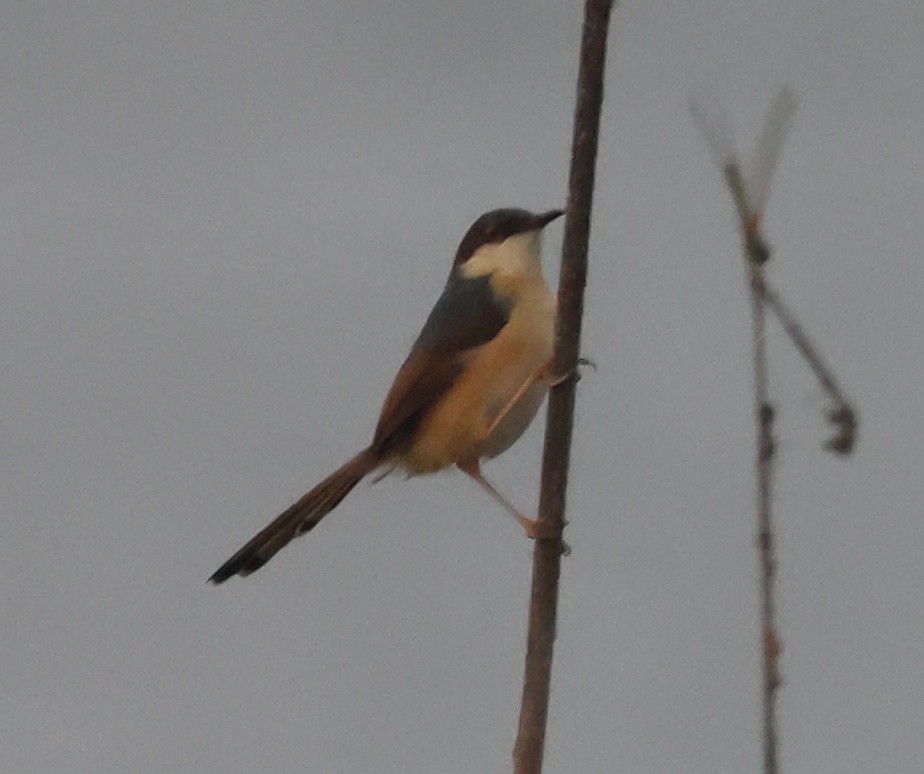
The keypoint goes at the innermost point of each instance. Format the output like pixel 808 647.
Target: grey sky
pixel 224 223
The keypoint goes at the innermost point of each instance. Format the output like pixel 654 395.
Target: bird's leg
pixel 534 528
pixel 540 374
pixel 537 375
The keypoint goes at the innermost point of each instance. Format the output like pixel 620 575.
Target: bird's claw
pixel 574 372
pixel 543 529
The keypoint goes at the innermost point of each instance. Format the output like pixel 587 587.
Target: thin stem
pixel 843 415
pixel 530 742
pixel 765 540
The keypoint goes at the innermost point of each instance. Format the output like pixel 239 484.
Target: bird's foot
pixel 575 372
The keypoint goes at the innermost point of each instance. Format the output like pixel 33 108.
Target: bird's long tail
pixel 299 518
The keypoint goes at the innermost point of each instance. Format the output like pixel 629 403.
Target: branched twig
pixel 530 741
pixel 749 197
pixel 842 416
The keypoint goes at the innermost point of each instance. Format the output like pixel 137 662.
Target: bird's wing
pixel 467 315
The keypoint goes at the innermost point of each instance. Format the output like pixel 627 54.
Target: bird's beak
pixel 547 217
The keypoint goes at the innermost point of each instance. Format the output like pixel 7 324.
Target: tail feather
pixel 299 518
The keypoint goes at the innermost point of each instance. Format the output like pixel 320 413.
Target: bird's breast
pixel 455 428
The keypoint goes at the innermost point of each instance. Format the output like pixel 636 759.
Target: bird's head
pixel 504 241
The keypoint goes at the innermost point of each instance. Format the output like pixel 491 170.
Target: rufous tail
pixel 301 517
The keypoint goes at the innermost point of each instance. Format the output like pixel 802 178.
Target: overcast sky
pixel 223 224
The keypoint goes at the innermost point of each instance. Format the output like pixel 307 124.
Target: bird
pixel 470 386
